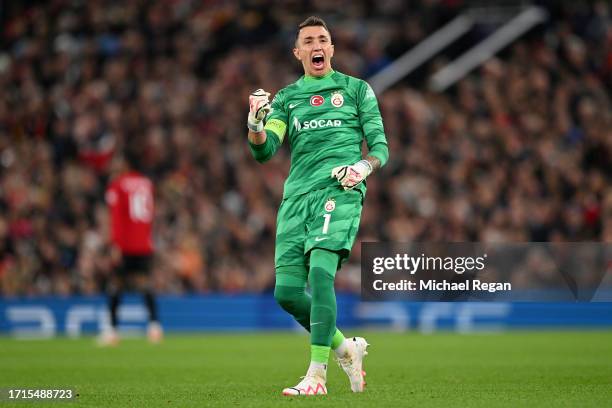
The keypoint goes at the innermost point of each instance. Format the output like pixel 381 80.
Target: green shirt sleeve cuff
pixel 381 154
pixel 258 147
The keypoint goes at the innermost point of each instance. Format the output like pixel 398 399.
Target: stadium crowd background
pixel 518 151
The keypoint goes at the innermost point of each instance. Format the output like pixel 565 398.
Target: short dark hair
pixel 311 21
pixel 132 157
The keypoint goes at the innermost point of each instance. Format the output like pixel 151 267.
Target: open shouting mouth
pixel 318 61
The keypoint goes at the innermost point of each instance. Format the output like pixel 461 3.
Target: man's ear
pixel 296 52
pixel 332 51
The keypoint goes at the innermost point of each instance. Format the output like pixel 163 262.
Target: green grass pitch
pixel 554 369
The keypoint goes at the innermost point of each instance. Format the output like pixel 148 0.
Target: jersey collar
pixel 308 78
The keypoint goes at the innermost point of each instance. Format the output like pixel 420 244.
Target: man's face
pixel 315 50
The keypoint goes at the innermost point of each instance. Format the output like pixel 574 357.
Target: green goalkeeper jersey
pixel 325 121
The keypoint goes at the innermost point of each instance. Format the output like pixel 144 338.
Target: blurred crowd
pixel 518 151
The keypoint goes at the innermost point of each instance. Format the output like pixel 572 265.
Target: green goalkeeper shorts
pixel 327 219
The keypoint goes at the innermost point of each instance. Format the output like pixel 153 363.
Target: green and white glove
pixel 351 176
pixel 259 107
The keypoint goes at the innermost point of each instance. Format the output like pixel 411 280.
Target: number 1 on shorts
pixel 326 223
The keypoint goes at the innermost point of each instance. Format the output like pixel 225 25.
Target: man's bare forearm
pixel 257 137
pixel 374 162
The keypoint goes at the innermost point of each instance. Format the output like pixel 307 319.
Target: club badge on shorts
pixel 330 205
pixel 337 99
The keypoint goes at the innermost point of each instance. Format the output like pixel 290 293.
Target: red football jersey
pixel 130 198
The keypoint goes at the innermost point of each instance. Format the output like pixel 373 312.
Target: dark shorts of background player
pixel 326 219
pixel 135 264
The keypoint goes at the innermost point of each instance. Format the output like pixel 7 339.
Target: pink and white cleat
pixel 311 384
pixel 352 363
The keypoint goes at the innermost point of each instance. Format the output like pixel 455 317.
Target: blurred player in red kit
pixel 131 204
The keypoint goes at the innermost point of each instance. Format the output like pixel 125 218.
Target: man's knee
pixel 287 296
pixel 290 286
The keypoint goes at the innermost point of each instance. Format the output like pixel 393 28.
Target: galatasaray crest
pixel 337 99
pixel 330 205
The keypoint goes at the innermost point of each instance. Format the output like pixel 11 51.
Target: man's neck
pixel 316 78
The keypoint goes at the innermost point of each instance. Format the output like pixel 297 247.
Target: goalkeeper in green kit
pixel 325 115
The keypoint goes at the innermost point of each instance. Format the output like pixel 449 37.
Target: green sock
pixel 337 339
pixel 290 294
pixel 319 354
pixel 323 265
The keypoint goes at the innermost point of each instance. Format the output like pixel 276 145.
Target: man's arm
pixel 115 228
pixel 264 141
pixel 263 145
pixel 373 129
pixel 350 176
pixel 374 162
pixel 112 198
pixel 257 138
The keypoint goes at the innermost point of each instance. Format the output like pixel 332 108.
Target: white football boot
pixel 313 383
pixel 352 362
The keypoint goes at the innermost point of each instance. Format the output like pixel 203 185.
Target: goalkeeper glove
pixel 259 107
pixel 351 176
